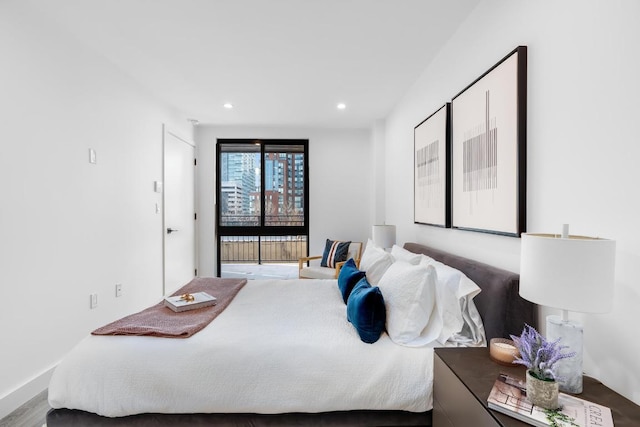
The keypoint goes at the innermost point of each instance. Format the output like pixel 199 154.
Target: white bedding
pixel 258 356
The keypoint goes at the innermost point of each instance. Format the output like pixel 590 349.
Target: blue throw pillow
pixel 334 252
pixel 348 277
pixel 366 312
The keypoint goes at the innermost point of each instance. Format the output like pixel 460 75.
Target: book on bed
pixel 509 396
pixel 192 301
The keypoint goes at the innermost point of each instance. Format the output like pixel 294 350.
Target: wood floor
pixel 31 414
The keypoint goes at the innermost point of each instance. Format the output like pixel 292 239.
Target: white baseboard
pixel 13 400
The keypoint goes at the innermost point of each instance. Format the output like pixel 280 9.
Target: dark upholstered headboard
pixel 502 308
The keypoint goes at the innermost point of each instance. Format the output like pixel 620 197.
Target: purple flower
pixel 539 355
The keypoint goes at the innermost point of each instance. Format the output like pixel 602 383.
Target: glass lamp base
pixel 569 370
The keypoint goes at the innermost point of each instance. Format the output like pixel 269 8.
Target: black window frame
pixel 261 230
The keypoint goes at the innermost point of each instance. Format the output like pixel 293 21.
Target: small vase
pixel 542 393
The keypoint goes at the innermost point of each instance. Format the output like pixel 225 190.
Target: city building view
pixel 241 195
pixel 245 203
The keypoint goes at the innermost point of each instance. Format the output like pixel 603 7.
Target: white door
pixel 179 212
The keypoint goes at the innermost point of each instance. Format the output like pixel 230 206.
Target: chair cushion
pixel 348 277
pixel 317 272
pixel 334 252
pixel 366 311
pixel 355 250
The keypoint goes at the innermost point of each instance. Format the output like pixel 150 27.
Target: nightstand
pixel 463 378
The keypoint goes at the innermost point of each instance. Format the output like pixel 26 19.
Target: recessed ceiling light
pixel 341 106
pixel 228 105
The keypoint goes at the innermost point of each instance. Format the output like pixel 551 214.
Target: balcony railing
pixel 262 249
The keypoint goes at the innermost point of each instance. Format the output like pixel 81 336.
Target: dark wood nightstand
pixel 463 378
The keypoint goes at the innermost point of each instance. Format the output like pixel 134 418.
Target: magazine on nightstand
pixel 509 396
pixel 192 301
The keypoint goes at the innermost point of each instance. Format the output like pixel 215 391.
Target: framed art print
pixel 431 188
pixel 489 149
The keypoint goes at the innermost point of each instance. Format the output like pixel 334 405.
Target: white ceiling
pixel 279 62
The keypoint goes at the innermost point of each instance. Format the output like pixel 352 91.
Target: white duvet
pixel 280 346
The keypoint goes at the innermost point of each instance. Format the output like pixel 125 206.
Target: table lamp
pixel 384 236
pixel 571 273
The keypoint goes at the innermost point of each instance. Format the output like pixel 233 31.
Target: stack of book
pixel 192 301
pixel 509 396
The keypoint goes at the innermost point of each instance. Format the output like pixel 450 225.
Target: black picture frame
pixel 432 170
pixel 489 149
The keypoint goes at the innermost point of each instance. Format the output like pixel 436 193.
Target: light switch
pixel 92 156
pixel 157 186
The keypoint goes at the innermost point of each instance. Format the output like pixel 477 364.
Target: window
pixel 263 197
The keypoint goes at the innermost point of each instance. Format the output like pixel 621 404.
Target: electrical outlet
pixel 118 289
pixel 93 303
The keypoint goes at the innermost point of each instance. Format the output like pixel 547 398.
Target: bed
pixel 242 369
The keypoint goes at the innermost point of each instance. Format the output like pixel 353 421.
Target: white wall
pixel 582 147
pixel 377 184
pixel 339 175
pixel 70 228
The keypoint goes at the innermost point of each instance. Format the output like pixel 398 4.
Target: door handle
pixel 171 230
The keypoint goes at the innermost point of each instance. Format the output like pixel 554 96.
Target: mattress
pixel 281 346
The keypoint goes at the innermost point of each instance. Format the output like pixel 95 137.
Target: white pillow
pixel 454 290
pixel 375 262
pixel 401 254
pixel 409 293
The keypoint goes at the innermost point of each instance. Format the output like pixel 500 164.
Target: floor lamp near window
pixel 571 273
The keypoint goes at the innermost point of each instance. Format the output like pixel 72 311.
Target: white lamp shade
pixel 384 236
pixel 575 273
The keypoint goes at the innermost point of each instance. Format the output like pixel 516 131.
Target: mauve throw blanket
pixel 161 321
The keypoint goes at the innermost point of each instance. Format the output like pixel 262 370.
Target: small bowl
pixel 503 351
